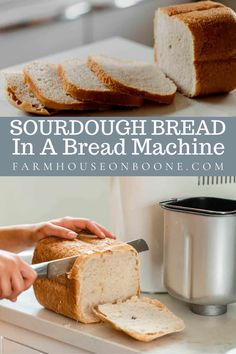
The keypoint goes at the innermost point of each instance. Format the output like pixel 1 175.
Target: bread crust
pixel 215 77
pixel 118 86
pixel 25 106
pixel 189 7
pixel 81 106
pixel 110 97
pixel 137 335
pixel 212 26
pixel 62 293
pixel 213 30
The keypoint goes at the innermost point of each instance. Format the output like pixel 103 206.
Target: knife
pixel 61 266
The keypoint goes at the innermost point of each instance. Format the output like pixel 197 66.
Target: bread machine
pixel 200 252
pixel 136 212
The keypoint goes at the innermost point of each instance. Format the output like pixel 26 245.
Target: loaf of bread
pixel 105 271
pixel 81 83
pixel 142 318
pixel 195 45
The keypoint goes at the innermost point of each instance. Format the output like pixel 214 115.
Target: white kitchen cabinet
pixel 16 340
pixel 11 347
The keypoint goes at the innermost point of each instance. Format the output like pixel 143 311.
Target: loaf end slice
pixel 143 318
pixel 46 85
pixel 81 83
pixel 105 271
pixel 133 77
pixel 20 96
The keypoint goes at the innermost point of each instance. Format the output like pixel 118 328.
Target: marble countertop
pixel 218 106
pixel 209 335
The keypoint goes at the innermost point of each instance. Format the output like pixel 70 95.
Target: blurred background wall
pixel 35 199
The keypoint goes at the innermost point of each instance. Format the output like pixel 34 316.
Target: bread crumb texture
pixel 142 318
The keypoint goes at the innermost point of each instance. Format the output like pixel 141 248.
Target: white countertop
pixel 209 335
pixel 218 106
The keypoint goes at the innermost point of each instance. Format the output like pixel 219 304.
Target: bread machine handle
pixel 41 269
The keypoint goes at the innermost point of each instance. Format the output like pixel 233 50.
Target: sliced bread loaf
pixel 46 85
pixel 144 319
pixel 81 83
pixel 195 45
pixel 133 77
pixel 20 96
pixel 105 271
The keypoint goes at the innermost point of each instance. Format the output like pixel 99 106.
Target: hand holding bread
pixel 69 228
pixel 16 275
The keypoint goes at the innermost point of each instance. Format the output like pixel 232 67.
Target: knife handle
pixel 41 269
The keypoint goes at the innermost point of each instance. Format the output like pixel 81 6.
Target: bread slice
pixel 81 83
pixel 195 45
pixel 143 318
pixel 20 96
pixel 46 85
pixel 105 271
pixel 133 77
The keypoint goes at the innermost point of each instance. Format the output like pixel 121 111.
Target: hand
pixel 16 276
pixel 19 237
pixel 69 228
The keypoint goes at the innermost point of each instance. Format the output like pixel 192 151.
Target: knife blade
pixel 61 266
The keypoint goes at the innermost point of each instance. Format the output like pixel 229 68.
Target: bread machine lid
pixel 202 205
